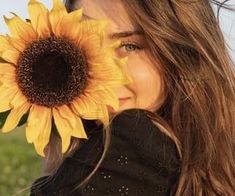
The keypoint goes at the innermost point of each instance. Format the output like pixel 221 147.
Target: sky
pixel 227 19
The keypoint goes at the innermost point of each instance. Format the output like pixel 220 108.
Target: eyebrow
pixel 122 34
pixel 125 34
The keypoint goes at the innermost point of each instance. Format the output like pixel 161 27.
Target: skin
pixel 147 91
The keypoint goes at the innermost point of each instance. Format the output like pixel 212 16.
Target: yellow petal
pixel 18 44
pixel 87 108
pixel 93 27
pixel 4 106
pixel 79 130
pixel 63 128
pixel 20 29
pixel 6 68
pixel 104 54
pixel 85 29
pixel 44 135
pixel 18 100
pixel 14 117
pixel 39 16
pixel 4 43
pixel 91 45
pixel 36 122
pixel 113 73
pixel 105 118
pixel 69 21
pixel 66 113
pixel 7 51
pixel 6 95
pixel 112 77
pixel 11 56
pixel 7 43
pixel 72 121
pixel 126 79
pixel 93 86
pixel 7 81
pixel 57 13
pixel 106 97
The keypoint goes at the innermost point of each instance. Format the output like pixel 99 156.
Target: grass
pixel 20 165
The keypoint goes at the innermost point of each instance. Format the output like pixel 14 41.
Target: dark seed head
pixel 52 72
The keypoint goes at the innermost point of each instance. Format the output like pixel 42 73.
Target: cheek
pixel 148 85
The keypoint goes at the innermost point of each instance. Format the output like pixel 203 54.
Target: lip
pixel 124 98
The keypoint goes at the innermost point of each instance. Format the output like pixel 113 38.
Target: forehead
pixel 113 10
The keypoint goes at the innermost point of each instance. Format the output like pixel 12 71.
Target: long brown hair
pixel 185 39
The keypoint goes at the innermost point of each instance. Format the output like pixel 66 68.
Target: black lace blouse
pixel 140 161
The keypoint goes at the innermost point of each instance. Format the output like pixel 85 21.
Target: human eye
pixel 127 47
pixel 130 46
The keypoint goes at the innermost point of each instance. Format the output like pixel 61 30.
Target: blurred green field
pixel 20 165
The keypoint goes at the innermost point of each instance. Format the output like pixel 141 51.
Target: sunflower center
pixel 52 72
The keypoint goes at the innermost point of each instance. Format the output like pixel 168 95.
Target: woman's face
pixel 146 92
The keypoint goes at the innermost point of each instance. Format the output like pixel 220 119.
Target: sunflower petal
pixel 7 80
pixel 10 49
pixel 57 13
pixel 105 118
pixel 91 45
pixel 93 27
pixel 14 117
pixel 18 100
pixel 39 18
pixel 68 22
pixel 73 122
pixel 107 97
pixel 4 106
pixel 6 44
pixel 6 68
pixel 85 29
pixel 6 95
pixel 44 135
pixel 20 29
pixel 11 56
pixel 127 79
pixel 87 108
pixel 113 77
pixel 66 113
pixel 93 85
pixel 79 130
pixel 18 44
pixel 36 122
pixel 63 129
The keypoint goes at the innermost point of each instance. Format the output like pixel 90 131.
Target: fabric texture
pixel 141 160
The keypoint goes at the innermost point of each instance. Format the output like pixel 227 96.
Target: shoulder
pixel 139 156
pixel 136 127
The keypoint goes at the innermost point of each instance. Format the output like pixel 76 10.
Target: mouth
pixel 122 101
pixel 124 98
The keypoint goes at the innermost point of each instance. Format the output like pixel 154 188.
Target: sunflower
pixel 57 71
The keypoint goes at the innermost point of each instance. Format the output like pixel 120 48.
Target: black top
pixel 140 161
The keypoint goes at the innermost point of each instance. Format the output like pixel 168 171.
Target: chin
pixel 112 112
pixel 128 104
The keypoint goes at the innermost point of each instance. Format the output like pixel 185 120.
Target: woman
pixel 184 81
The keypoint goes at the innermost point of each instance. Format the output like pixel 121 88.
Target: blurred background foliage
pixel 19 162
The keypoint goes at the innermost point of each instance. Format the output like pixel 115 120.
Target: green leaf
pixel 23 119
pixel 3 117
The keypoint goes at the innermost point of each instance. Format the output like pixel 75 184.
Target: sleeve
pixel 141 160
